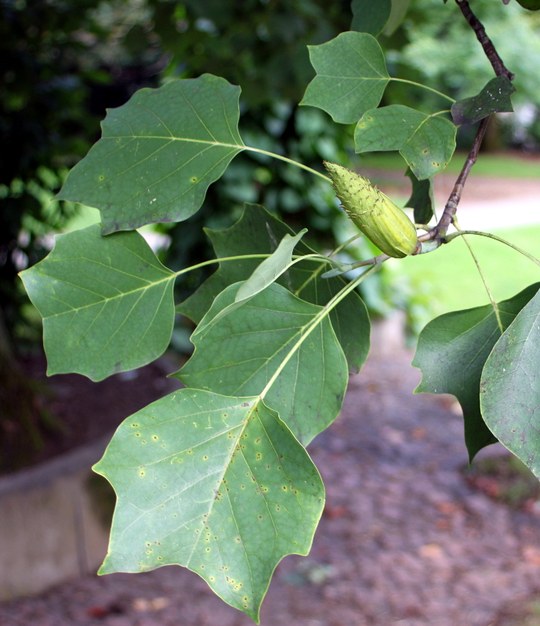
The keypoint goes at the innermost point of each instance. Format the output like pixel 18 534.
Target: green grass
pixel 448 279
pixel 504 164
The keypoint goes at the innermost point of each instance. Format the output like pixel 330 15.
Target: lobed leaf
pixel 426 142
pixel 240 355
pixel 218 485
pixel 493 98
pixel 452 351
pixel 159 153
pixel 106 303
pixel 510 386
pixel 351 76
pixel 257 231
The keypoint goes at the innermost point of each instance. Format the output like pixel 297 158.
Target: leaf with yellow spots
pixel 216 484
pixel 106 303
pixel 426 142
pixel 241 352
pixel 159 153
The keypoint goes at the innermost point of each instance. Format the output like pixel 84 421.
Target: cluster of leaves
pixel 56 80
pixel 216 476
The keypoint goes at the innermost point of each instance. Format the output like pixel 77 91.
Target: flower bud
pixel 380 219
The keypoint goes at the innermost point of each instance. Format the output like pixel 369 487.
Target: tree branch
pixel 439 231
pixel 493 56
pixel 453 200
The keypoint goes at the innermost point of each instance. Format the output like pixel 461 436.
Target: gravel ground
pixel 404 538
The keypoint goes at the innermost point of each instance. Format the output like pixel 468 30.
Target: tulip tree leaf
pixel 421 199
pixel 240 355
pixel 159 153
pixel 257 231
pixel 494 98
pixel 218 485
pixel 369 16
pixel 106 303
pixel 426 142
pixel 351 76
pixel 264 274
pixel 510 386
pixel 452 351
pixel 271 268
pixel 397 15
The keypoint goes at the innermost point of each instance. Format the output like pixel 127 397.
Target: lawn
pixel 448 277
pixel 503 164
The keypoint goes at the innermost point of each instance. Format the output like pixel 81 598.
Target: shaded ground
pixel 405 538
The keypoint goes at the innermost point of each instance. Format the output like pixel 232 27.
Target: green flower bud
pixel 380 219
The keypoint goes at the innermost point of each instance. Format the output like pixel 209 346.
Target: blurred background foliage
pixel 62 63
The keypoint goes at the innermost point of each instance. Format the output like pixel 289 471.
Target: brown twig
pixel 493 56
pixel 439 231
pixel 455 196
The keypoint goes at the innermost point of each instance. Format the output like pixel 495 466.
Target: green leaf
pixel 426 142
pixel 397 15
pixel 510 386
pixel 369 16
pixel 494 98
pixel 218 485
pixel 351 76
pixel 421 199
pixel 106 303
pixel 240 354
pixel 452 350
pixel 264 274
pixel 271 268
pixel 257 231
pixel 159 153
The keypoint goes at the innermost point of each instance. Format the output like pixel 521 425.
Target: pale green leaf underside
pixel 216 484
pixel 452 351
pixel 510 386
pixel 241 353
pixel 159 153
pixel 106 303
pixel 271 268
pixel 351 76
pixel 426 142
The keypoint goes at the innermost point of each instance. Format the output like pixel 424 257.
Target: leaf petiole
pixel 419 85
pixel 481 233
pixel 280 157
pixel 324 312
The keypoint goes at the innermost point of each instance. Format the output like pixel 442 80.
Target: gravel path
pixel 404 539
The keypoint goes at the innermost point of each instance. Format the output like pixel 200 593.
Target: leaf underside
pixel 159 153
pixel 452 351
pixel 510 386
pixel 257 231
pixel 216 484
